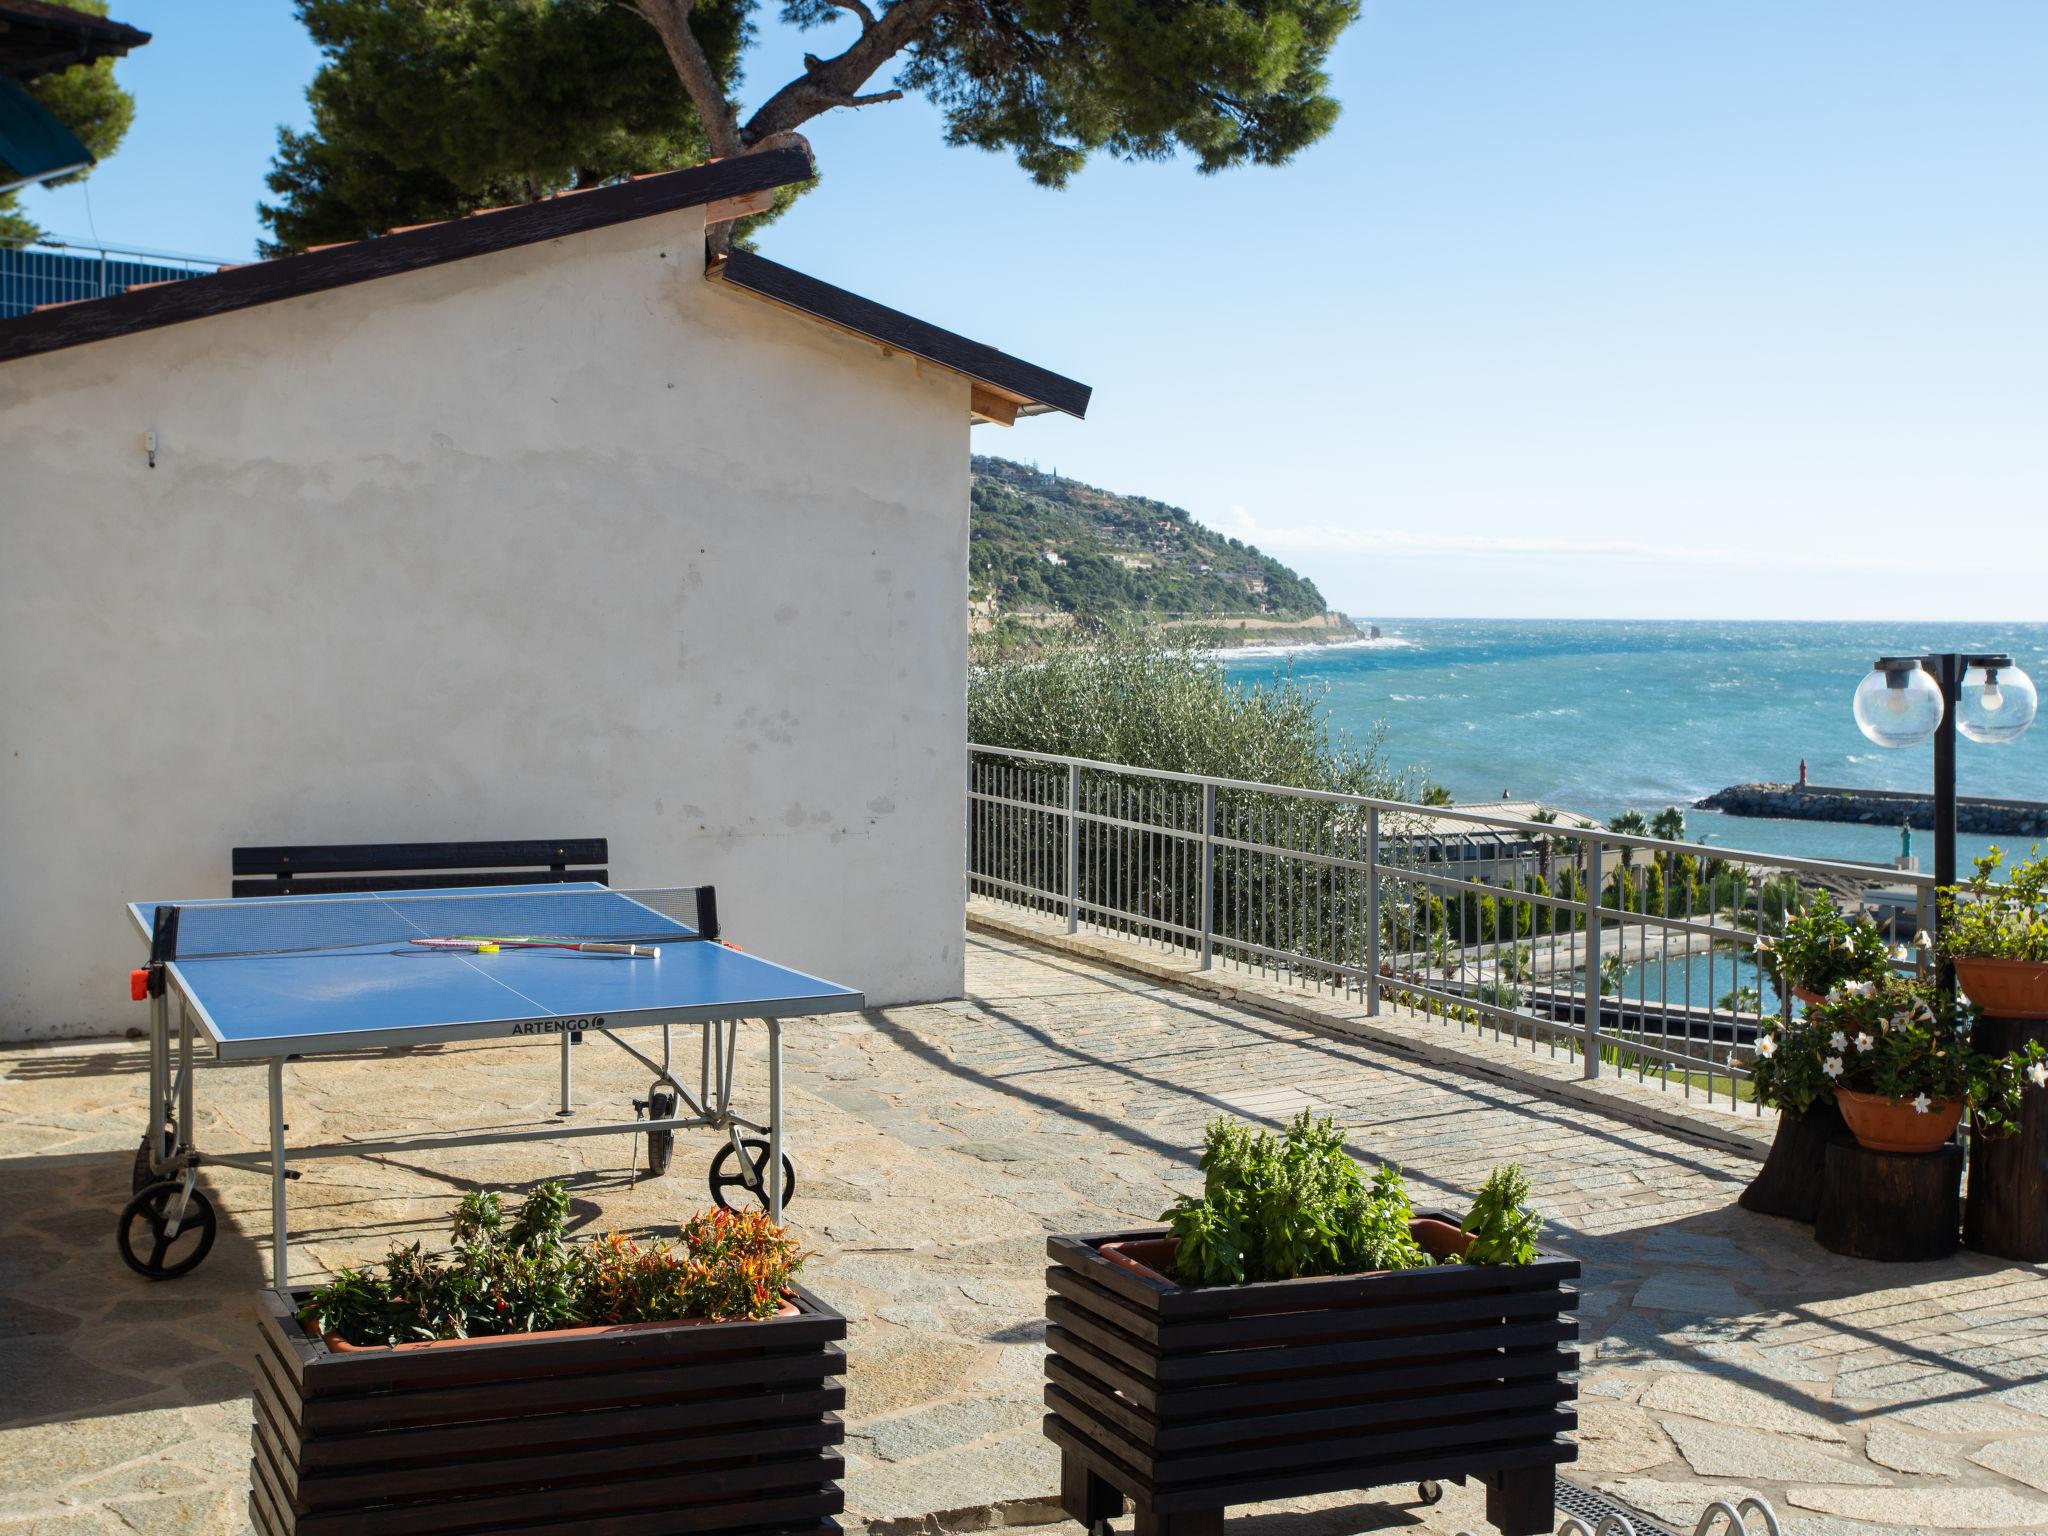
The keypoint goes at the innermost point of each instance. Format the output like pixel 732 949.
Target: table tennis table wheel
pixel 661 1145
pixel 145 1173
pixel 1430 1491
pixel 725 1177
pixel 140 1234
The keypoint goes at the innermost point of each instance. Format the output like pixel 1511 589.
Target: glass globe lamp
pixel 1898 704
pixel 1995 703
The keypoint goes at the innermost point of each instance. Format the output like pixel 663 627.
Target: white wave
pixel 1310 648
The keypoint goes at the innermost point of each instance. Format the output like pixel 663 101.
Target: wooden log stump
pixel 1789 1182
pixel 2007 1212
pixel 1892 1206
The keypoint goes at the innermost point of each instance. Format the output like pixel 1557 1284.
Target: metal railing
pixel 1627 953
pixel 60 271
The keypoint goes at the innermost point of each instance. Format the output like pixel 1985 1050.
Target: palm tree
pixel 1629 824
pixel 1435 794
pixel 1545 846
pixel 1668 824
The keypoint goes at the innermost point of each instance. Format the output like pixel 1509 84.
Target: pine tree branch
pixel 671 22
pixel 836 82
pixel 858 7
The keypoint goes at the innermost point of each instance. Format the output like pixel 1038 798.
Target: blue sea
pixel 1604 716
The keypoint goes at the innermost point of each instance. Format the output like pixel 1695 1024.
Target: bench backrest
pixel 320 868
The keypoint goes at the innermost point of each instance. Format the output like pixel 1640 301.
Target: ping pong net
pixel 282 925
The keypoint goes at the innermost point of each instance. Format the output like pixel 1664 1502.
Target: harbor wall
pixel 1877 807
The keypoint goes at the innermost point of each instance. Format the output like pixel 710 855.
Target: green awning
pixel 34 146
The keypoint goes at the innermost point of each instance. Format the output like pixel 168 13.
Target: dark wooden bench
pixel 327 868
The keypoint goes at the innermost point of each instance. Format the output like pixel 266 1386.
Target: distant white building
pixel 1477 851
pixel 523 525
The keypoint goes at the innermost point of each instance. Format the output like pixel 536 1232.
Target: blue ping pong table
pixel 288 979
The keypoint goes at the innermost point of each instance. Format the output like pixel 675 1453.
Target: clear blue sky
pixel 1597 307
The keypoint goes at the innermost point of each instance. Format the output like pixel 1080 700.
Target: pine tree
pixel 428 108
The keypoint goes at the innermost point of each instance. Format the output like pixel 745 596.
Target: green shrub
pixel 1986 919
pixel 523 1278
pixel 1279 1207
pixel 1821 947
pixel 1501 1221
pixel 1499 994
pixel 1152 697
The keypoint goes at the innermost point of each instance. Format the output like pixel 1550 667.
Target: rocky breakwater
pixel 1877 807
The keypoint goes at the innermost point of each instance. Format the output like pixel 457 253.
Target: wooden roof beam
pixel 986 404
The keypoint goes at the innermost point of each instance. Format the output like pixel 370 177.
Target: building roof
pixel 1423 824
pixel 37 38
pixel 1003 387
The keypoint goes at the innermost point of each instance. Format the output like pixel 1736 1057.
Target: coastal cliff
pixel 1878 807
pixel 1047 550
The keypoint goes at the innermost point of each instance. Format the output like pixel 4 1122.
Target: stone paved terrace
pixel 936 1147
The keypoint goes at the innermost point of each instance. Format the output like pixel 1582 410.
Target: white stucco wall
pixel 562 541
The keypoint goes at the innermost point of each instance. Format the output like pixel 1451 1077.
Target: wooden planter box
pixel 706 1427
pixel 1189 1400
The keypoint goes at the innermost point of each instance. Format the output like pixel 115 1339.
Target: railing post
pixel 1208 873
pixel 1592 904
pixel 1073 847
pixel 1372 911
pixel 1925 908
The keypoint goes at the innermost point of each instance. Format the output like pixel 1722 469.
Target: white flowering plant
pixel 1823 946
pixel 1898 1036
pixel 1986 918
pixel 1785 1066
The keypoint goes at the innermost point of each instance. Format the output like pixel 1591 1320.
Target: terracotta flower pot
pixel 1894 1125
pixel 1807 995
pixel 2005 989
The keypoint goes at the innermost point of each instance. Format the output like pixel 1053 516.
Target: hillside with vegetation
pixel 1045 548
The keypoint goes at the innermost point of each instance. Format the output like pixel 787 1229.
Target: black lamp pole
pixel 2007 1210
pixel 1947 667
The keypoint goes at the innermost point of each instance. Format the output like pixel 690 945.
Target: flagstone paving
pixel 936 1146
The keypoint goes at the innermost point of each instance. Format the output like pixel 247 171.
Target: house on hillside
pixel 526 524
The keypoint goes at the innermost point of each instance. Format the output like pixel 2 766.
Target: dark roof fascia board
pixel 904 333
pixel 66 37
pixel 288 277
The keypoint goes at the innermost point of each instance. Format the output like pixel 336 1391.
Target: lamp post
pixel 1906 699
pixel 1903 701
